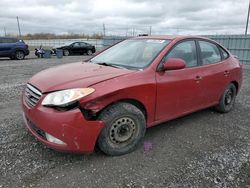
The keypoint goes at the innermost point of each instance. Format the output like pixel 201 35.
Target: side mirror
pixel 174 64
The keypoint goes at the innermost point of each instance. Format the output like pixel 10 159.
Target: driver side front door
pixel 178 91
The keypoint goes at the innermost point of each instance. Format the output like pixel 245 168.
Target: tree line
pixel 34 36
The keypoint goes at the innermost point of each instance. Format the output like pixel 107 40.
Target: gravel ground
pixel 204 149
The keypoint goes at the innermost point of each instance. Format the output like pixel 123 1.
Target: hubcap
pixel 229 97
pixel 122 130
pixel 19 55
pixel 66 52
pixel 89 52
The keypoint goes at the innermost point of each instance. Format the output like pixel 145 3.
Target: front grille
pixel 32 95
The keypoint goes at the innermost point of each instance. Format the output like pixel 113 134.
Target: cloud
pixel 125 16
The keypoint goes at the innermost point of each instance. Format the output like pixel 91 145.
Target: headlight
pixel 66 97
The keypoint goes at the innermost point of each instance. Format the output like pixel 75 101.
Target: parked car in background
pixel 110 100
pixel 76 48
pixel 13 48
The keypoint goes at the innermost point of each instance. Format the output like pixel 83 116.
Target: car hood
pixel 74 75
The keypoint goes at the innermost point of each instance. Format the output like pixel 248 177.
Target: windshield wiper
pixel 111 65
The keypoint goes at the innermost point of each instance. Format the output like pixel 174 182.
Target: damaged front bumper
pixel 70 127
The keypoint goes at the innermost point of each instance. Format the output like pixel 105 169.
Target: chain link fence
pixel 238 45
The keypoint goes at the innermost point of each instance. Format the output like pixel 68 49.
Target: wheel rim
pixel 122 131
pixel 89 52
pixel 19 55
pixel 66 52
pixel 229 97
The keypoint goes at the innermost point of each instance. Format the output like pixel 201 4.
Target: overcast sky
pixel 121 16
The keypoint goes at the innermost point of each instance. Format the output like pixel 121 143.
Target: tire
pixel 125 126
pixel 19 55
pixel 66 52
pixel 89 52
pixel 227 100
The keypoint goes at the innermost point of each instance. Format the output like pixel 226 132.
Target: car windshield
pixel 67 43
pixel 132 53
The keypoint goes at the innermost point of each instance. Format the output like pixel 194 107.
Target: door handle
pixel 226 73
pixel 198 78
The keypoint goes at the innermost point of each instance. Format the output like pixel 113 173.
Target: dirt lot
pixel 205 149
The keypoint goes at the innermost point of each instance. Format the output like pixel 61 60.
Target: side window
pixel 76 44
pixel 7 40
pixel 83 44
pixel 186 51
pixel 15 40
pixel 224 53
pixel 209 53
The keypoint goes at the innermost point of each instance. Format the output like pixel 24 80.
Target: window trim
pixel 160 65
pixel 222 56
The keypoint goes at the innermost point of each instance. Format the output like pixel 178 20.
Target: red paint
pixel 165 95
pixel 174 64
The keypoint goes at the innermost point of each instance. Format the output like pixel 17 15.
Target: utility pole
pixel 150 30
pixel 247 18
pixel 133 31
pixel 18 25
pixel 104 30
pixel 4 31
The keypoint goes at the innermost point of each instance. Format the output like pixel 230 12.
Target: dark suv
pixel 13 48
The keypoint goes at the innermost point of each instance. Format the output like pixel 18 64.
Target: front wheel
pixel 66 52
pixel 227 100
pixel 125 126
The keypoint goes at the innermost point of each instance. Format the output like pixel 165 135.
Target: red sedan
pixel 110 100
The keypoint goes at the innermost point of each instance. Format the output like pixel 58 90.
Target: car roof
pixel 8 38
pixel 171 37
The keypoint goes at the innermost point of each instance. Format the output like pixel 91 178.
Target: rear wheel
pixel 125 126
pixel 19 55
pixel 66 52
pixel 227 100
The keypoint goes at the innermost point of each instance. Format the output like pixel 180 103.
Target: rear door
pixel 215 72
pixel 84 47
pixel 178 91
